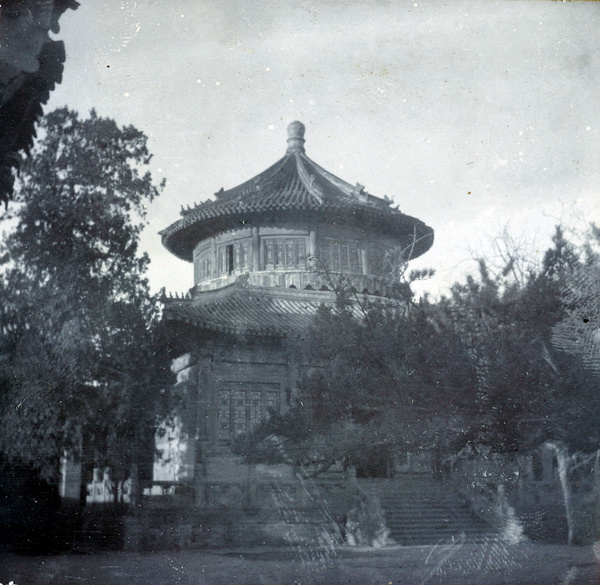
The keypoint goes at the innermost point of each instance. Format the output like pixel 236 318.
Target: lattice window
pixel 335 257
pixel 242 264
pixel 355 260
pixel 239 412
pixel 300 246
pixel 345 258
pixel 325 255
pixel 284 253
pixel 240 257
pixel 237 260
pixel 269 253
pixel 279 254
pixel 291 257
pixel 243 405
pixel 204 267
pixel 255 408
pixel 377 261
pixel 224 414
pixel 234 258
pixel 340 255
pixel 272 400
pixel 223 260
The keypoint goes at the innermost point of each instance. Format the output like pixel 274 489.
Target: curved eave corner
pixel 423 240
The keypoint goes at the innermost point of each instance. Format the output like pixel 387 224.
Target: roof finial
pixel 295 137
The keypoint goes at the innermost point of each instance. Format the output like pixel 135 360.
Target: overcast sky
pixel 470 115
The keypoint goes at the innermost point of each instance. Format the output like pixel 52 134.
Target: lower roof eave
pixel 236 331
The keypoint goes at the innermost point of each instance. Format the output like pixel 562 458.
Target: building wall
pixel 290 255
pixel 228 385
pixel 215 498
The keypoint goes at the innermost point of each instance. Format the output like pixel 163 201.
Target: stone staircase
pixel 420 510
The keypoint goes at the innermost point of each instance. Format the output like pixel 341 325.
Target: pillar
pixel 214 261
pixel 312 242
pixel 70 478
pixel 255 250
pixel 365 260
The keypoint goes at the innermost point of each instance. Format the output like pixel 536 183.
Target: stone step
pixel 419 510
pixel 430 538
pixel 474 523
pixel 447 539
pixel 399 527
pixel 417 505
pixel 399 521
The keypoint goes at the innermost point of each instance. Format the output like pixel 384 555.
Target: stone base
pixel 278 513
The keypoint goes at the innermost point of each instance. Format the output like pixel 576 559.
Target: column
pixel 70 478
pixel 196 267
pixel 365 260
pixel 312 242
pixel 255 250
pixel 214 261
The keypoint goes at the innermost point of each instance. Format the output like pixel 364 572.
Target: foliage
pixel 389 375
pixel 535 385
pixel 578 332
pixel 528 393
pixel 505 365
pixel 79 343
pixel 473 373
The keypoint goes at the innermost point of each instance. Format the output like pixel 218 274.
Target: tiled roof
pixel 249 310
pixel 294 188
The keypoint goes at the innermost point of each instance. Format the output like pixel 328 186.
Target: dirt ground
pixel 489 563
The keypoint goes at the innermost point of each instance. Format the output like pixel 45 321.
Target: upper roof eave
pixel 182 236
pixel 293 188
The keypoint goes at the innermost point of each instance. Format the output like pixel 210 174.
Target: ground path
pixel 488 563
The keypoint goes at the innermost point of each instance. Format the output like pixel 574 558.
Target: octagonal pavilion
pixel 265 254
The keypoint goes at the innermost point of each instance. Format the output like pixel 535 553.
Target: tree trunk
pixel 134 529
pixel 564 460
pixel 512 528
pixel 135 493
pixel 597 497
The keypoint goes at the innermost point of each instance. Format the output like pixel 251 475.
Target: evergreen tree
pixel 80 357
pixel 389 377
pixel 529 394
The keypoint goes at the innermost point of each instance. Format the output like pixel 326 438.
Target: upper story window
pixel 284 253
pixel 340 255
pixel 233 258
pixel 204 267
pixel 385 260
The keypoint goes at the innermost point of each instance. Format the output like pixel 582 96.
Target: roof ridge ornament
pixel 295 137
pixel 359 192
